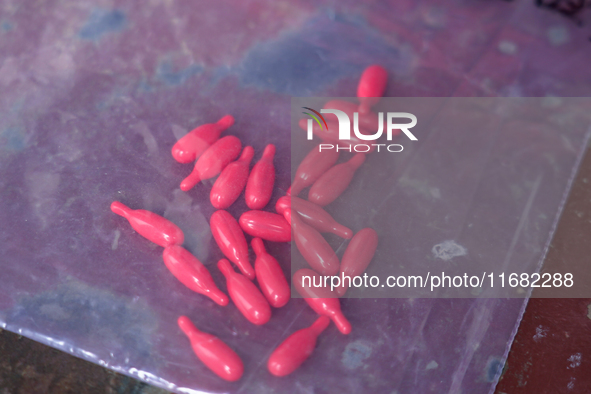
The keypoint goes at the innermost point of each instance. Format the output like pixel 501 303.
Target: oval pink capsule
pixel 335 181
pixel 259 188
pixel 231 182
pixel 270 276
pixel 213 161
pixel 266 225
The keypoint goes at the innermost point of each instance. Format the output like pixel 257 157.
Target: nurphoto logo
pixel 343 138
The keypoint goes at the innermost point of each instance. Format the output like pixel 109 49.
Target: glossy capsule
pixel 283 206
pixel 195 142
pixel 248 299
pixel 357 256
pixel 230 238
pixel 312 245
pixel 151 226
pixel 231 182
pixel 318 218
pixel 214 353
pixel 270 276
pixel 321 299
pixel 266 225
pixel 296 349
pixel 312 167
pixel 190 272
pixel 372 86
pixel 213 161
pixel 335 181
pixel 259 188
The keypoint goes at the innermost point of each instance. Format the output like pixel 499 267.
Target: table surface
pixel 551 352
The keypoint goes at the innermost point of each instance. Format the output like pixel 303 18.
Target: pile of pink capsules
pixel 222 156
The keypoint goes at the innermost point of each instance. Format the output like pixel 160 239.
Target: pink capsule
pixel 266 225
pixel 213 161
pixel 248 299
pixel 231 181
pixel 214 353
pixel 296 349
pixel 261 180
pixel 190 272
pixel 312 167
pixel 321 299
pixel 270 276
pixel 357 256
pixel 282 204
pixel 230 238
pixel 372 86
pixel 335 181
pixel 314 247
pixel 318 218
pixel 195 142
pixel 151 226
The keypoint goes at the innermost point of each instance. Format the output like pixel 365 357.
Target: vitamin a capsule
pixel 230 238
pixel 190 272
pixel 357 256
pixel 231 181
pixel 372 86
pixel 312 245
pixel 334 181
pixel 296 349
pixel 195 142
pixel 213 161
pixel 248 299
pixel 151 226
pixel 270 276
pixel 321 299
pixel 312 167
pixel 259 188
pixel 213 352
pixel 266 225
pixel 318 218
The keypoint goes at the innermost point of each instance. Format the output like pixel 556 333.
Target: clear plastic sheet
pixel 94 94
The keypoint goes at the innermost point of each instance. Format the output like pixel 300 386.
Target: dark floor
pixel 28 367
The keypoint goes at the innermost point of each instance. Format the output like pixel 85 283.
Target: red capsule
pixel 266 225
pixel 334 182
pixel 195 142
pixel 213 161
pixel 331 136
pixel 296 349
pixel 312 167
pixel 154 227
pixel 283 207
pixel 368 123
pixel 318 218
pixel 261 180
pixel 314 247
pixel 357 256
pixel 231 240
pixel 214 353
pixel 189 270
pixel 248 299
pixel 321 299
pixel 231 181
pixel 283 203
pixel 270 276
pixel 372 86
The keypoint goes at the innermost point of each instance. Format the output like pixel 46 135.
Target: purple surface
pixel 92 97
